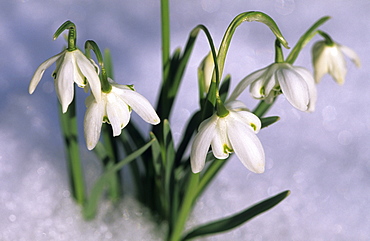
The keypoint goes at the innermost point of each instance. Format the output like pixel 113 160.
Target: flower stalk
pixel 70 133
pixel 72 34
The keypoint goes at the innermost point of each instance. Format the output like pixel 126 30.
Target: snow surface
pixel 322 157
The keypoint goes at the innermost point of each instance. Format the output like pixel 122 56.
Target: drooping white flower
pixel 115 108
pixel 71 67
pixel 235 132
pixel 296 83
pixel 206 68
pixel 330 59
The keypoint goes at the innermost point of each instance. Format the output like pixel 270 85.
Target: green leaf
pixel 189 131
pixel 266 121
pixel 168 155
pixel 156 155
pixel 209 174
pixel 89 209
pixel 237 219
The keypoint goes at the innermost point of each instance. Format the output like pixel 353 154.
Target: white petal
pixel 138 103
pixel 40 71
pixel 88 70
pixel 351 54
pixel 307 76
pixel 93 121
pixel 247 147
pixel 206 67
pixel 235 105
pixel 249 119
pixel 220 143
pixel 270 80
pixel 118 113
pixel 257 89
pixel 201 144
pixel 77 76
pixel 244 83
pixel 294 87
pixel 336 64
pixel 319 60
pixel 64 83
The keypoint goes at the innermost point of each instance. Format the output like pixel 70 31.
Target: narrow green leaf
pixel 129 145
pixel 237 219
pixel 136 136
pixel 156 155
pixel 89 209
pixel 189 131
pixel 266 121
pixel 211 171
pixel 168 154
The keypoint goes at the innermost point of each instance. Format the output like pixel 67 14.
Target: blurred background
pixel 322 157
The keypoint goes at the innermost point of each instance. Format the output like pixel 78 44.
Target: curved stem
pixel 246 16
pixel 328 40
pixel 72 34
pixel 306 37
pixel 106 87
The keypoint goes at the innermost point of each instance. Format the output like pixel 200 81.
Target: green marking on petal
pixel 105 119
pixel 131 87
pixel 227 149
pixel 253 126
pixel 262 91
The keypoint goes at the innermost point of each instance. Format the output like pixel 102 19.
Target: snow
pixel 322 157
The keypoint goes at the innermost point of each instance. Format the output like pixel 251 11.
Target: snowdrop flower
pixel 71 67
pixel 235 132
pixel 115 108
pixel 296 83
pixel 206 70
pixel 330 59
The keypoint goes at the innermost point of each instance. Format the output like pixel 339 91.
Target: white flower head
pixel 71 67
pixel 115 108
pixel 330 59
pixel 206 68
pixel 235 132
pixel 296 83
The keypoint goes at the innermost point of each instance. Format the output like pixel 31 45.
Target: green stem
pixel 186 207
pixel 262 108
pixel 279 56
pixel 72 34
pixel 114 180
pixel 249 17
pixel 328 40
pixel 165 21
pixel 70 134
pixel 304 39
